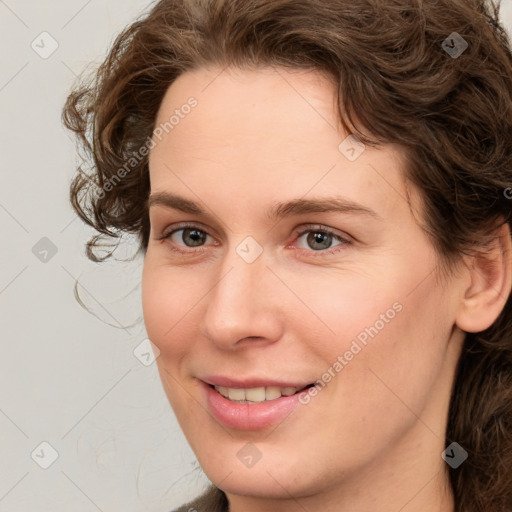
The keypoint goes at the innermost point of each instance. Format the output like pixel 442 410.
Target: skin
pixel 372 437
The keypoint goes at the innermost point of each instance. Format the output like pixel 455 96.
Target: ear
pixel 488 284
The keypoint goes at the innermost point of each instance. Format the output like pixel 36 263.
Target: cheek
pixel 333 308
pixel 167 301
pixel 168 307
pixel 387 327
pixel 397 367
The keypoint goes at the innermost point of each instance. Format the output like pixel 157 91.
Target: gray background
pixel 67 377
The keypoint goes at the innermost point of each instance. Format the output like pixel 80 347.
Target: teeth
pixel 255 395
pixel 223 391
pixel 236 394
pixel 272 392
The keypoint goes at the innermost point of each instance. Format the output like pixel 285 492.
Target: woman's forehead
pixel 255 102
pixel 269 135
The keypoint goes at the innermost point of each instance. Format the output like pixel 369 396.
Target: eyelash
pixel 298 233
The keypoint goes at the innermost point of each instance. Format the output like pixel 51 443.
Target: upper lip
pixel 229 382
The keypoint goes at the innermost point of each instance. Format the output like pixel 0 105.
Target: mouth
pixel 251 403
pixel 257 395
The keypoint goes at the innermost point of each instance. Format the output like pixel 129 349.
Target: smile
pixel 253 406
pixel 256 395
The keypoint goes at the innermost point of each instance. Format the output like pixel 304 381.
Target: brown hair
pixel 396 82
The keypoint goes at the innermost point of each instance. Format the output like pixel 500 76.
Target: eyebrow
pixel 277 211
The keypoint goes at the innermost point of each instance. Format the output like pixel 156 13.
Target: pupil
pixel 195 237
pixel 323 239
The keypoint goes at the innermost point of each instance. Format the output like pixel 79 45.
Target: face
pixel 283 255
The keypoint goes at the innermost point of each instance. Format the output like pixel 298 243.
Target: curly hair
pixel 397 82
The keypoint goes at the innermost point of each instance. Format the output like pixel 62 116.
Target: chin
pixel 279 472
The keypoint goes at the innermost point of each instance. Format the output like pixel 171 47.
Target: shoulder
pixel 213 500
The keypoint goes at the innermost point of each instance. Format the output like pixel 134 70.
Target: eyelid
pixel 305 228
pixel 184 225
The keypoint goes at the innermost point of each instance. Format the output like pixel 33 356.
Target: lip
pixel 228 382
pixel 248 416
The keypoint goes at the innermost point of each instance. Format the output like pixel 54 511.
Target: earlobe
pixel 490 281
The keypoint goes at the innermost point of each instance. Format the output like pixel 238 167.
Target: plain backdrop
pixel 84 423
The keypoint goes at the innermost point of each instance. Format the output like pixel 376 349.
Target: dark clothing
pixel 213 500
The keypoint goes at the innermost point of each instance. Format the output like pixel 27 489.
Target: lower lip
pixel 249 416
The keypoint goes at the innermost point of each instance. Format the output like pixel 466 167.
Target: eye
pixel 187 236
pixel 191 237
pixel 321 239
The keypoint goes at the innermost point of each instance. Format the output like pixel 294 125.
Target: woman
pixel 321 190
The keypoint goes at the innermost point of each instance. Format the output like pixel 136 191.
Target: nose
pixel 242 307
